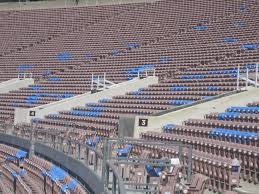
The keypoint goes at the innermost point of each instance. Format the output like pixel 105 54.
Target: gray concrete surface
pixel 63 3
pixel 155 123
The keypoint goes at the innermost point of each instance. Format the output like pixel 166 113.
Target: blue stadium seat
pixel 20 154
pixel 64 56
pixel 124 152
pixel 24 67
pixel 64 188
pixel 228 115
pixel 239 24
pixel 72 184
pixel 233 133
pixel 164 59
pixel 115 52
pixel 198 76
pixel 168 127
pixel 179 88
pixel 244 109
pixel 180 102
pixel 213 88
pixel 249 46
pixel 54 78
pixel 230 39
pixel 57 173
pixel 133 45
pixel 93 142
pixel 200 27
pixel 104 100
pixel 88 56
pixel 153 171
pixel 35 87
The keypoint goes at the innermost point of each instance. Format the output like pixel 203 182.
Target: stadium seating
pixel 166 48
pixel 31 176
pixel 195 48
pixel 217 136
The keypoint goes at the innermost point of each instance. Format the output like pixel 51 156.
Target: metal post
pixel 31 152
pixel 79 151
pixel 238 75
pixel 69 147
pixel 92 82
pixel 189 172
pixel 154 73
pixel 104 166
pixel 107 159
pixel 146 73
pixel 45 181
pixel 138 74
pixel 114 181
pixel 95 162
pixel 104 80
pixel 107 177
pixel 98 79
pixel 247 72
pixel 256 74
pixel 14 185
pixel 52 187
pixel 180 152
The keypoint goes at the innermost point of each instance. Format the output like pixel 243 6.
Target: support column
pixel 247 72
pixel 256 74
pixel 238 76
pixel 78 151
pixel 189 173
pixel 31 151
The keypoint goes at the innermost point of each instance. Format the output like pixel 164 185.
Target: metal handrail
pixel 120 187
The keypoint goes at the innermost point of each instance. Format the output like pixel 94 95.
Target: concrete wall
pixel 23 115
pixel 15 84
pixel 155 123
pixel 126 126
pixel 15 141
pixel 75 167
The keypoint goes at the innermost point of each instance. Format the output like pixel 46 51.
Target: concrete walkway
pixel 63 3
pixel 155 123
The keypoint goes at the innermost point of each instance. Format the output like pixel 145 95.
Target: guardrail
pixel 41 141
pixel 94 166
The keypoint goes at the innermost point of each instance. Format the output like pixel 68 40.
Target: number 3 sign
pixel 143 122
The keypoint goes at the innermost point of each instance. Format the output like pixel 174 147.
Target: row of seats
pixel 165 48
pixel 30 173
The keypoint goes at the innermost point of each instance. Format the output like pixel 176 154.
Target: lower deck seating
pixel 30 173
pixel 236 138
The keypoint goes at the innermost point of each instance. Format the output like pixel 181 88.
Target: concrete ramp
pixel 155 123
pixel 25 115
pixel 15 84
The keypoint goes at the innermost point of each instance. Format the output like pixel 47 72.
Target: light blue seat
pixel 180 102
pixel 228 115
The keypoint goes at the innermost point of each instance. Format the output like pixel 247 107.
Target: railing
pixel 71 148
pixel 23 75
pixel 250 76
pixel 99 82
pixel 147 72
pixel 100 160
